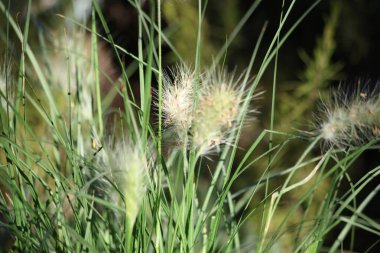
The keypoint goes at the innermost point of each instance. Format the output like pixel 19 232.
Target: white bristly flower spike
pixel 217 111
pixel 128 167
pixel 351 119
pixel 178 99
pixel 205 120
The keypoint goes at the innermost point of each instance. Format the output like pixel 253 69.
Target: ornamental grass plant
pixel 80 173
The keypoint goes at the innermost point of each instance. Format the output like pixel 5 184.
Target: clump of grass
pixel 163 204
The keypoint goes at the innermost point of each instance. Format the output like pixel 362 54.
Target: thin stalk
pixel 95 65
pixel 198 51
pixel 190 197
pixel 141 57
pixel 148 78
pixel 274 86
pixel 158 241
pixel 128 235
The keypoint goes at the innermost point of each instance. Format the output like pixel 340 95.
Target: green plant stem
pixel 96 74
pixel 158 241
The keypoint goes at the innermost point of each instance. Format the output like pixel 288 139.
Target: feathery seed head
pixel 217 110
pixel 128 168
pixel 205 119
pixel 177 102
pixel 336 126
pixel 352 119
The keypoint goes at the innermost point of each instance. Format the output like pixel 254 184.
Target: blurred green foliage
pixel 182 20
pixel 315 79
